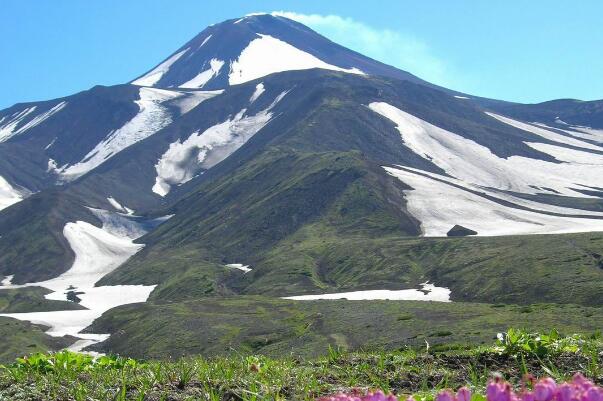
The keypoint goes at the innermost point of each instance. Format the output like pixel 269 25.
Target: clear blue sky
pixel 525 51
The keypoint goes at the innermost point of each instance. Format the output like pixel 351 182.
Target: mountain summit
pixel 244 49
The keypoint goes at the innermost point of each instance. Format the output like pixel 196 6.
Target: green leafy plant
pixel 519 342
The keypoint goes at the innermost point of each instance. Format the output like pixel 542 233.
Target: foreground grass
pixel 68 376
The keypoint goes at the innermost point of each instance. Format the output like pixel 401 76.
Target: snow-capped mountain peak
pixel 243 49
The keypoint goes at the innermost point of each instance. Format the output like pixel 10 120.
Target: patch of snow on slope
pixel 50 144
pixel 8 194
pixel 544 133
pixel 8 127
pixel 572 156
pixel 205 41
pixel 203 77
pixel 461 97
pixel 428 292
pixel 98 251
pixel 9 130
pixel 475 164
pixel 239 266
pixel 118 206
pixel 190 100
pixel 152 117
pixel 6 281
pixel 267 55
pixel 52 167
pixel 508 198
pixel 439 205
pixel 152 77
pixel 578 131
pixel 259 89
pixel 594 134
pixel 202 150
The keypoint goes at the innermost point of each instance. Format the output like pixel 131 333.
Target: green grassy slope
pixel 254 209
pixel 516 269
pixel 21 338
pixel 271 326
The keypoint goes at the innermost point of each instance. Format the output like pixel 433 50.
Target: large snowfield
pixel 475 193
pixel 267 55
pixel 98 251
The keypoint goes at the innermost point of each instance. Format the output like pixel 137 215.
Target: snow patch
pixel 9 128
pixel 259 89
pixel 428 292
pixel 119 207
pixel 50 144
pixel 475 164
pixel 7 281
pixel 544 133
pixel 461 97
pixel 439 203
pixel 205 41
pixel 190 100
pixel 98 251
pixel 239 266
pixel 8 194
pixel 577 131
pixel 152 77
pixel 152 117
pixel 267 55
pixel 53 167
pixel 203 77
pixel 202 150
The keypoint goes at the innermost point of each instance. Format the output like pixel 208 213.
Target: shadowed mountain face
pixel 283 164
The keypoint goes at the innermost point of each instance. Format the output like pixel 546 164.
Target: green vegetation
pixel 68 376
pixel 519 342
pixel 278 327
pixel 18 338
pixel 333 221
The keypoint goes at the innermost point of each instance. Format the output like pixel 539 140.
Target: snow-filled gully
pixel 186 158
pixel 153 115
pixel 98 251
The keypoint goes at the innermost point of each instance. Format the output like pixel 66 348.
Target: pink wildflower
pixel 543 392
pixel 463 394
pixel 445 396
pixel 579 389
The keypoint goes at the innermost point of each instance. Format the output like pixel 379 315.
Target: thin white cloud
pixel 391 47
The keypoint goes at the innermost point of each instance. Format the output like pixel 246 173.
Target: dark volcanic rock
pixel 460 231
